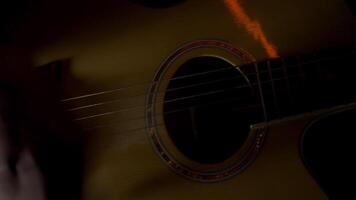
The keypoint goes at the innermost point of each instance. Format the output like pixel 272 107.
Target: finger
pixel 7 180
pixel 5 173
pixel 7 183
pixel 4 144
pixel 29 178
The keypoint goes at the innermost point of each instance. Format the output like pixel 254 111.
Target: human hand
pixel 27 182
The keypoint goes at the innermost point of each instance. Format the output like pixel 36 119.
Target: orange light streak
pixel 252 27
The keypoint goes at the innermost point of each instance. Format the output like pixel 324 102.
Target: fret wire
pixel 275 100
pixel 317 66
pixel 261 92
pixel 287 81
pixel 300 68
pixel 303 76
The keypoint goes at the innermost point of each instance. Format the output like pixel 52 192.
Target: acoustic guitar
pixel 196 100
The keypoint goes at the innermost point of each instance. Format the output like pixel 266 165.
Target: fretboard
pixel 294 85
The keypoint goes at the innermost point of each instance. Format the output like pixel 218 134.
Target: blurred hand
pixel 27 184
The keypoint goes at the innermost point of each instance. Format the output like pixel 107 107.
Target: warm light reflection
pixel 252 27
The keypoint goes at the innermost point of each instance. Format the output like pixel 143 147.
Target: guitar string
pixel 143 117
pixel 141 128
pixel 131 108
pixel 145 127
pixel 175 99
pixel 146 84
pixel 137 129
pixel 90 131
pixel 171 100
pixel 193 75
pixel 115 122
pixel 114 132
pixel 164 102
pixel 136 107
pixel 118 123
pixel 180 98
pixel 165 92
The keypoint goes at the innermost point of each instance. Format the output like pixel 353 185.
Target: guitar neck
pixel 299 84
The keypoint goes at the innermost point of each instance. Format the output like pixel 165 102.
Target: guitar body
pixel 137 172
pixel 330 163
pixel 122 158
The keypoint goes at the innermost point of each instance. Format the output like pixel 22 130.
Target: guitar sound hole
pixel 208 109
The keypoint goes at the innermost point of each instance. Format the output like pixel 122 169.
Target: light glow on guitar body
pixel 252 27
